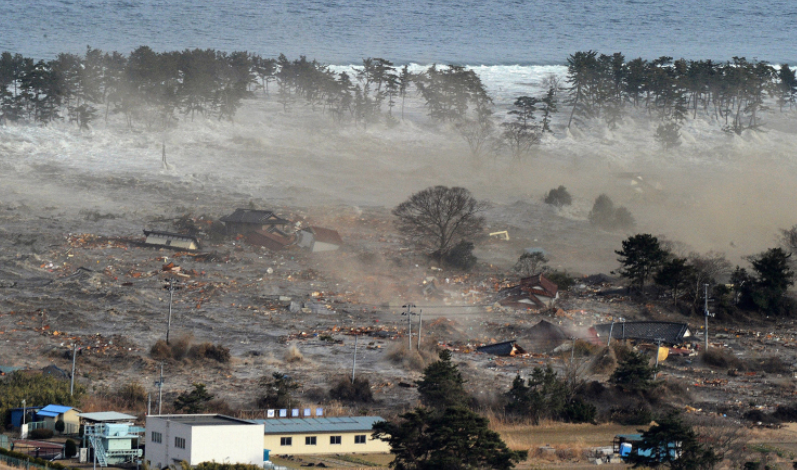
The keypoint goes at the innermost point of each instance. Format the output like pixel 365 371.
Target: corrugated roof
pixel 254 216
pixel 668 332
pixel 272 241
pixel 107 416
pixel 57 409
pixel 311 425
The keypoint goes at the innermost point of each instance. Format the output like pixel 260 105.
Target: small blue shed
pixel 16 415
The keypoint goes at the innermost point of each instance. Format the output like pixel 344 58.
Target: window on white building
pixel 179 442
pixel 286 441
pixel 156 437
pixel 310 440
pixel 334 439
pixel 359 439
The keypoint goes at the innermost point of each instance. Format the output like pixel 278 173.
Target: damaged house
pixel 319 239
pixel 245 221
pixel 507 348
pixel 532 292
pixel 672 333
pixel 273 241
pixel 171 240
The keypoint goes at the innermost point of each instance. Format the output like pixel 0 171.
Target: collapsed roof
pixel 254 217
pixel 652 331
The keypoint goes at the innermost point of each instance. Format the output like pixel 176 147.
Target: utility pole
pixel 159 383
pixel 24 411
pixel 170 288
pixel 658 343
pixel 354 360
pixel 611 328
pixel 420 323
pixel 149 404
pixel 705 312
pixel 409 314
pixel 72 382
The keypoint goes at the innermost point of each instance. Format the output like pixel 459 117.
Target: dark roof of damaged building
pixel 529 289
pixel 325 235
pixel 255 217
pixel 507 348
pixel 272 241
pixel 667 332
pixel 544 336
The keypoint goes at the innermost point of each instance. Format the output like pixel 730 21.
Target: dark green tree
pixel 606 216
pixel 547 396
pixel 640 257
pixel 634 374
pixel 773 276
pixel 194 401
pixel 277 392
pixel 673 444
pixel 548 109
pixel 453 439
pixel 521 132
pixel 674 274
pixel 60 426
pixel 668 135
pixel 442 385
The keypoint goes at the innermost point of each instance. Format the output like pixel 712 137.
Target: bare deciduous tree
pixel 788 239
pixel 438 217
pixel 530 264
pixel 727 437
pixel 708 268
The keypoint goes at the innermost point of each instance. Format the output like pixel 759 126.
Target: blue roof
pixel 311 425
pixel 54 410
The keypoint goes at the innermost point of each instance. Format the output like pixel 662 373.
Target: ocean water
pixel 467 32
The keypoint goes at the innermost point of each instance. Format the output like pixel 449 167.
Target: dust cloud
pixel 714 192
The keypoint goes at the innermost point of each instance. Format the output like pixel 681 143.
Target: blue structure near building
pixel 15 415
pixel 628 444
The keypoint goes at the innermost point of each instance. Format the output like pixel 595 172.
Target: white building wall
pixel 237 443
pixel 234 443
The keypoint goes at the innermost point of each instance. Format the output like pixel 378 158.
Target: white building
pixel 170 439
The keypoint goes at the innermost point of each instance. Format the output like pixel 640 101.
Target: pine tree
pixel 194 401
pixel 442 385
pixel 640 257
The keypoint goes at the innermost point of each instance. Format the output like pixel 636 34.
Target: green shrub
pixel 359 391
pixel 563 280
pixel 60 425
pixel 70 448
pixel 210 351
pixel 461 256
pixel 558 197
pixel 41 434
pixel 36 460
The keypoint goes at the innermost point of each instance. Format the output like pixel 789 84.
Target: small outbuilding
pixel 297 436
pixel 197 438
pixel 176 241
pixel 51 414
pixel 15 415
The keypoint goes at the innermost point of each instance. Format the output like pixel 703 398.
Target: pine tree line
pixel 733 92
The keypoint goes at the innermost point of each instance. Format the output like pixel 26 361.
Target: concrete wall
pixel 346 446
pixel 321 246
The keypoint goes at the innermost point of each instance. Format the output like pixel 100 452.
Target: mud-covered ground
pixel 72 270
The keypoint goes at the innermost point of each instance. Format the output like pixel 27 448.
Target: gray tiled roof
pixel 311 425
pixel 668 332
